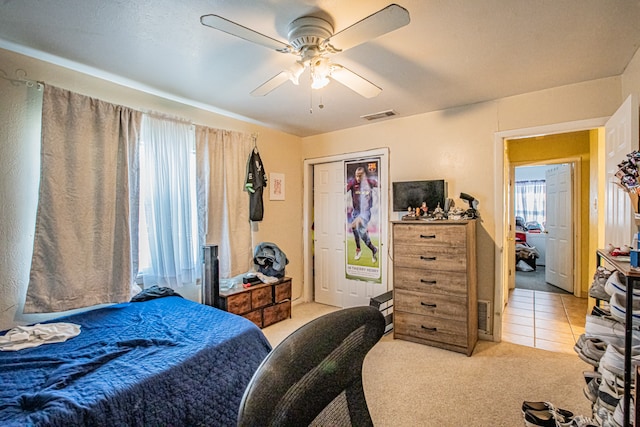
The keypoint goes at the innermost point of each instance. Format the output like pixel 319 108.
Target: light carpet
pixel 409 384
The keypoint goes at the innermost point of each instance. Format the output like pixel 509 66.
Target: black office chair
pixel 314 376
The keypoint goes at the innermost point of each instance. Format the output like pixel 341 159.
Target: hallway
pixel 545 320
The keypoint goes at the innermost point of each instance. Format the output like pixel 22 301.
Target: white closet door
pixel 331 285
pixel 329 233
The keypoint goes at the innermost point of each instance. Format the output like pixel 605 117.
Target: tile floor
pixel 544 320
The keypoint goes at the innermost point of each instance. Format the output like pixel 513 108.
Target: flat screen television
pixel 408 194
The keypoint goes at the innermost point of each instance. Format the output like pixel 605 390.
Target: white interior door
pixel 621 138
pixel 559 226
pixel 331 286
pixel 328 208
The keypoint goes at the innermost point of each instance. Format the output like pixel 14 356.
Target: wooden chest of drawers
pixel 435 283
pixel 263 304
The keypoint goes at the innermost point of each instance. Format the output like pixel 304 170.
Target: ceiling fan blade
pixel 356 83
pixel 384 21
pixel 230 27
pixel 271 84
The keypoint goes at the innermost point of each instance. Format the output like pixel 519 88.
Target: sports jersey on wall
pixel 255 184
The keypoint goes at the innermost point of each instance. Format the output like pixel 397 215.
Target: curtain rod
pixel 21 79
pixel 164 116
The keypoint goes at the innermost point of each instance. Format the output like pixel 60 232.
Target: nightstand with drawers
pixel 263 304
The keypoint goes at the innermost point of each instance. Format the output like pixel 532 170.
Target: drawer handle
pixel 428 282
pixel 427 236
pixel 427 258
pixel 429 329
pixel 430 305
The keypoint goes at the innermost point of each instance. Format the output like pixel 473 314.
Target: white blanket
pixel 33 336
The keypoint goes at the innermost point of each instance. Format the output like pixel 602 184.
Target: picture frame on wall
pixel 276 186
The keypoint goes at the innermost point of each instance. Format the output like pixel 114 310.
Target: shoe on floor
pixel 545 406
pixel 543 419
pixel 549 419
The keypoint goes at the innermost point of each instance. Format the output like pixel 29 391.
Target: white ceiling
pixel 452 53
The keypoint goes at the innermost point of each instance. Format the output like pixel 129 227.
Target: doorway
pixel 567 205
pixel 552 314
pixel 537 151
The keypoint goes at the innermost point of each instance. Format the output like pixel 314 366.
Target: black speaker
pixel 211 283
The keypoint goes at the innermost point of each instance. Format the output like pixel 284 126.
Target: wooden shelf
pixel 622 266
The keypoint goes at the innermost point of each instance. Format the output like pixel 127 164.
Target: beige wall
pixel 631 77
pixel 459 145
pixel 19 154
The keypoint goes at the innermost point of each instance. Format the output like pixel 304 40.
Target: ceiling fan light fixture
pixel 320 72
pixel 294 72
pixel 319 82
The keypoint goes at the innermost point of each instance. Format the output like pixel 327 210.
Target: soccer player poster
pixel 362 200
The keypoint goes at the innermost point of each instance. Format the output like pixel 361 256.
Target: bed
pixel 163 362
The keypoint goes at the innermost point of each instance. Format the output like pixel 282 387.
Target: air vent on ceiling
pixel 380 115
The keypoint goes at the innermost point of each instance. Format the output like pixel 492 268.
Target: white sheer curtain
pixel 223 205
pixel 168 226
pixel 530 200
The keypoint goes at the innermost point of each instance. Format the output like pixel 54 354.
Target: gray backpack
pixel 269 259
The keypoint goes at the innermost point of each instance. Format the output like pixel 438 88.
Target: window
pixel 168 229
pixel 530 201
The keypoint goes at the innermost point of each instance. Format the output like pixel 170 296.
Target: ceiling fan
pixel 312 39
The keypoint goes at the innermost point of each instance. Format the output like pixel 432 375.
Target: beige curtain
pixel 81 253
pixel 223 205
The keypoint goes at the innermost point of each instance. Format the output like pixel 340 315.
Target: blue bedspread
pixel 163 362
